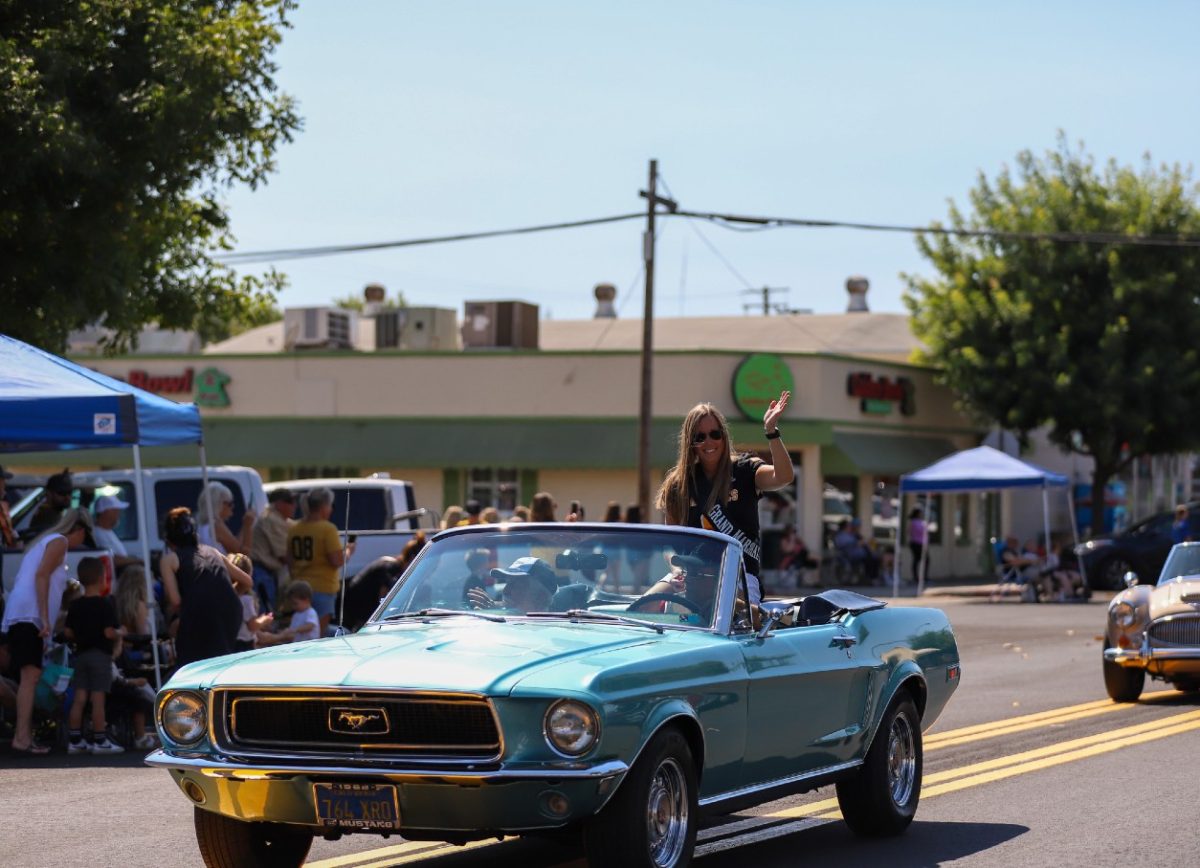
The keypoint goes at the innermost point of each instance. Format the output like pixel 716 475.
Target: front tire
pixel 228 843
pixel 651 820
pixel 881 798
pixel 1124 684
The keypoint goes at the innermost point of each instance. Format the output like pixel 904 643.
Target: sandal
pixel 34 749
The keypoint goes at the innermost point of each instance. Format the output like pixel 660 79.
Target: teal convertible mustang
pixel 609 680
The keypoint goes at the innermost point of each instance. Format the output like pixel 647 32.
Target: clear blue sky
pixel 434 118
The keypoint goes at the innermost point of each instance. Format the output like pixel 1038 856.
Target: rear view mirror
pixel 573 560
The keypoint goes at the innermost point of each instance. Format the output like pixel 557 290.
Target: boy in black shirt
pixel 92 626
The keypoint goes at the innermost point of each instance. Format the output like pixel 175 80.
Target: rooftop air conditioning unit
pixel 417 328
pixel 500 324
pixel 318 327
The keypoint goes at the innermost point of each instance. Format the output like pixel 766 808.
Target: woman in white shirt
pixel 32 610
pixel 213 531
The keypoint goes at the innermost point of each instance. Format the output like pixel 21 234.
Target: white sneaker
pixel 78 747
pixel 146 742
pixel 106 746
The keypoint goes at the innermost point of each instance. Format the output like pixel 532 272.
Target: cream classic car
pixel 1155 629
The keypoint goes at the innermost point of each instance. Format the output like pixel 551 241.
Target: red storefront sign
pixel 176 384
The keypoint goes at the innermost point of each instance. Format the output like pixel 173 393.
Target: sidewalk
pixel 971 587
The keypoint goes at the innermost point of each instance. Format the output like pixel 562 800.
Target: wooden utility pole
pixel 644 411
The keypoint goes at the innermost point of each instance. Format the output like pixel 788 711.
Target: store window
pixel 962 519
pixel 839 501
pixel 885 510
pixel 498 487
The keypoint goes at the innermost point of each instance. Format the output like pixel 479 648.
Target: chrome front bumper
pixel 1146 654
pixel 510 799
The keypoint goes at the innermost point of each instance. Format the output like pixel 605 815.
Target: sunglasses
pixel 715 434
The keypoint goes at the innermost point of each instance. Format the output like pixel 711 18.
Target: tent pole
pixel 896 547
pixel 1075 536
pixel 207 495
pixel 924 548
pixel 143 534
pixel 1046 517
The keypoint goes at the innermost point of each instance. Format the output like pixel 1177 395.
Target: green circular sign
pixel 758 381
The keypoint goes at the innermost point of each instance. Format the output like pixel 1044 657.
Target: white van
pixel 165 487
pixel 374 503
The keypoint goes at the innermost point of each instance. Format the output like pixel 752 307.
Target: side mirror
pixel 1131 579
pixel 773 614
pixel 339 630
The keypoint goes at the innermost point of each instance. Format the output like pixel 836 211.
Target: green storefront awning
pixel 543 443
pixel 855 454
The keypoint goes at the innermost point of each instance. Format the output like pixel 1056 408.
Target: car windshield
pixel 1184 560
pixel 587 573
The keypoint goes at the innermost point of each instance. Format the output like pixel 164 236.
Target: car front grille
pixel 410 725
pixel 1179 630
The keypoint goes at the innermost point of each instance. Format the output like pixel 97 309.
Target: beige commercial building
pixel 502 424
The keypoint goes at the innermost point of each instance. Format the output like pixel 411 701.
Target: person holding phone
pixel 713 487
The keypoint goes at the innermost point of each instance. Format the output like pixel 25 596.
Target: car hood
pixel 1177 597
pixel 453 654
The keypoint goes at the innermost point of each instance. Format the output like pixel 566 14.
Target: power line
pixel 761 223
pixel 335 249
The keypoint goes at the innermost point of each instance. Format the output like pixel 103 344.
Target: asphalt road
pixel 1030 765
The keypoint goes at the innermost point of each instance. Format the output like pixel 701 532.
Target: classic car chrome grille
pixel 1180 630
pixel 393 723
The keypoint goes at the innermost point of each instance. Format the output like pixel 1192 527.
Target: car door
pixel 807 700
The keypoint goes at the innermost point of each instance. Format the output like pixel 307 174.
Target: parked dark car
pixel 1141 548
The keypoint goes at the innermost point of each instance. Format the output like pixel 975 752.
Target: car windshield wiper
pixel 589 615
pixel 442 613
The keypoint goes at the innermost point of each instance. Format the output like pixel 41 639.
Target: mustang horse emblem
pixel 358 720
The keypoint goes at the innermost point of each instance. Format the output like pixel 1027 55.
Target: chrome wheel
pixel 667 813
pixel 901 761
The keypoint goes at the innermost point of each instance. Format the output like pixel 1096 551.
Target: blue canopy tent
pixel 980 469
pixel 49 403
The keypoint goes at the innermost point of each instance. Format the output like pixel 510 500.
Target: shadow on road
pixel 924 845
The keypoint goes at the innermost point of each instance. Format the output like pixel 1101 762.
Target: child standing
pixel 305 623
pixel 92 625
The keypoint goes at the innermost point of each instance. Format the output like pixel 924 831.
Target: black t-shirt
pixel 741 510
pixel 87 617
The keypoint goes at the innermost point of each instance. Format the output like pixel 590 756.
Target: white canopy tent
pixel 976 470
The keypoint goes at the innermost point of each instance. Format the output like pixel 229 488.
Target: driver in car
pixel 529 585
pixel 694 579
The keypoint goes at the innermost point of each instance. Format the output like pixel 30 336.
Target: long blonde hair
pixel 673 498
pixel 130 591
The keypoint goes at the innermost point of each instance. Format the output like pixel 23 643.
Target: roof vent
pixel 605 293
pixel 857 286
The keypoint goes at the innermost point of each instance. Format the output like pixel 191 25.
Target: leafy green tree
pixel 1096 341
pixel 121 124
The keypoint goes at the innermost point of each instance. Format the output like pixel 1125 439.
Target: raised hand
pixel 478 598
pixel 775 411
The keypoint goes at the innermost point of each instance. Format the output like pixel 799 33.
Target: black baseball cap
pixel 531 568
pixel 60 483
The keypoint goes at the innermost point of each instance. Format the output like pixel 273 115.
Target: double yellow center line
pixel 751 829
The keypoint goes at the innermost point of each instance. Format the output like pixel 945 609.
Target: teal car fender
pixel 693 679
pixel 919 655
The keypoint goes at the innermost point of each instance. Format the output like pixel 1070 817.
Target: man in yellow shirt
pixel 315 553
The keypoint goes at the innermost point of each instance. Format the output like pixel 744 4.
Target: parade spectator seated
pixel 853 551
pixel 130 704
pixel 305 623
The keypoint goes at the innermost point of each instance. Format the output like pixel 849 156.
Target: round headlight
pixel 1123 614
pixel 183 717
pixel 572 728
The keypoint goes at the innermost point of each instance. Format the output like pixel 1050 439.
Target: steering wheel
pixel 636 605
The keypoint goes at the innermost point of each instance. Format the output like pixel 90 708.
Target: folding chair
pixel 1010 579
